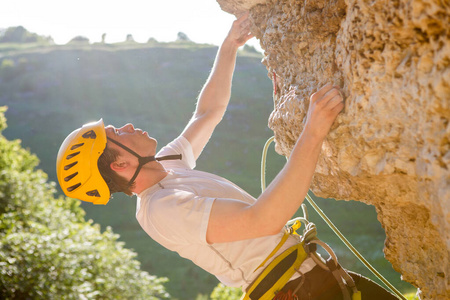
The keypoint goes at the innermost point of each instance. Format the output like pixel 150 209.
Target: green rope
pixel 330 224
pixel 263 163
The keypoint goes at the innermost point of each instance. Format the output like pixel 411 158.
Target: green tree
pixel 182 37
pixel 79 40
pixel 250 49
pixel 222 292
pixel 20 35
pixel 129 38
pixel 48 250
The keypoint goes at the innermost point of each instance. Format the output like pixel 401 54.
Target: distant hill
pixel 51 90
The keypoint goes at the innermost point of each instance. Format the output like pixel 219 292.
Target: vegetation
pixel 52 90
pixel 412 296
pixel 20 35
pixel 79 40
pixel 222 292
pixel 48 250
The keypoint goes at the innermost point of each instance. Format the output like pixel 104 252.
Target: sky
pixel 201 20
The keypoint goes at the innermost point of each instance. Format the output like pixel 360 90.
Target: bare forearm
pixel 285 194
pixel 275 206
pixel 216 93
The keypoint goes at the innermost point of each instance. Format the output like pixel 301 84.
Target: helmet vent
pixel 72 155
pixel 71 188
pixel 67 167
pixel 70 176
pixel 76 146
pixel 93 193
pixel 89 135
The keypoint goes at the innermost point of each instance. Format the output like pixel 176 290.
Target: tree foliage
pixel 19 34
pixel 48 250
pixel 79 39
pixel 182 37
pixel 222 292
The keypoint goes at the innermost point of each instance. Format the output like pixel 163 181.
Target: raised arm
pixel 234 220
pixel 215 95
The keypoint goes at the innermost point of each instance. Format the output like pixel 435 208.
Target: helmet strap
pixel 142 160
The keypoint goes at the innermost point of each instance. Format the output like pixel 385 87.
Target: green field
pixel 51 90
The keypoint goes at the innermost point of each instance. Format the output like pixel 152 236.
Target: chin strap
pixel 143 159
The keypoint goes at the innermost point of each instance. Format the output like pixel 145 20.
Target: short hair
pixel 115 182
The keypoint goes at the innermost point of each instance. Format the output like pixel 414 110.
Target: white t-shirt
pixel 175 213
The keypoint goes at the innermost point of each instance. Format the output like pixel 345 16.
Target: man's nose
pixel 127 128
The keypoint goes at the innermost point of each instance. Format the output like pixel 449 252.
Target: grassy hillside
pixel 52 90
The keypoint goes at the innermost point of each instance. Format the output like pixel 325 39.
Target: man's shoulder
pixel 180 145
pixel 177 145
pixel 160 193
pixel 155 199
pixel 164 201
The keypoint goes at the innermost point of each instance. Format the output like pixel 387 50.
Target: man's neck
pixel 150 175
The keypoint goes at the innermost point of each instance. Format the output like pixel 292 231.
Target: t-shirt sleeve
pixel 180 216
pixel 179 146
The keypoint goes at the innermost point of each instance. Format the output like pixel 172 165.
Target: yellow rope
pixel 330 224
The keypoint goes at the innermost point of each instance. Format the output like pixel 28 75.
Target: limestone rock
pixel 238 7
pixel 391 146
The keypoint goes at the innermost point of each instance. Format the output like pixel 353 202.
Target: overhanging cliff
pixel 391 146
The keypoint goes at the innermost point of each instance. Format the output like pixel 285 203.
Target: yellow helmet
pixel 76 165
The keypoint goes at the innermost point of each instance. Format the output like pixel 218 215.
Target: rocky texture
pixel 390 147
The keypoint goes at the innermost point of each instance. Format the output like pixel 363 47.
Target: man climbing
pixel 204 217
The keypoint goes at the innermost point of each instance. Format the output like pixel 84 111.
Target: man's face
pixel 134 138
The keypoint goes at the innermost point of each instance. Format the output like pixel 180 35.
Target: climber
pixel 203 217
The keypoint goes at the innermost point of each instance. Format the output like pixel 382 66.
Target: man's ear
pixel 119 166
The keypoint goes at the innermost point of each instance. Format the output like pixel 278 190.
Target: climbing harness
pixel 330 224
pixel 269 282
pixel 279 271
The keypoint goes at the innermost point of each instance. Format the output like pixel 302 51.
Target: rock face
pixel 391 146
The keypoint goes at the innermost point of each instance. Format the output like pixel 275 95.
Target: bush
pixel 222 292
pixel 47 249
pixel 7 69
